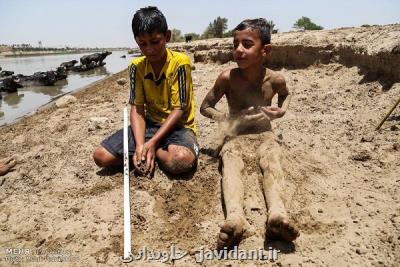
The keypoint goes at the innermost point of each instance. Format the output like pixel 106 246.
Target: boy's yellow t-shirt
pixel 173 89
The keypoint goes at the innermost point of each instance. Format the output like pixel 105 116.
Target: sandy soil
pixel 342 179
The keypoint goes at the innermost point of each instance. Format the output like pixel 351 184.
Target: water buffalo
pixel 68 64
pixel 188 38
pixel 6 73
pixel 91 65
pixel 96 58
pixel 9 85
pixel 42 78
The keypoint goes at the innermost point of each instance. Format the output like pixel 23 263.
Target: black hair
pixel 261 25
pixel 148 20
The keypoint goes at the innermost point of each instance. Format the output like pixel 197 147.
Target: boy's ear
pixel 267 49
pixel 168 36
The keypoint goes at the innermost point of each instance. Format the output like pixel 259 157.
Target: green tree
pixel 216 28
pixel 176 36
pixel 305 23
pixel 209 32
pixel 220 25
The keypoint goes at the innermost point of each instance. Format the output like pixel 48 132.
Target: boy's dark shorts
pixel 180 137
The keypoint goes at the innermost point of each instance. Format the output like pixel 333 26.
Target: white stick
pixel 127 202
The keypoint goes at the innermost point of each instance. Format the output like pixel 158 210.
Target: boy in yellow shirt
pixel 162 104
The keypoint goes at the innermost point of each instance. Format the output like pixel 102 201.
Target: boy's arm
pixel 207 108
pixel 284 96
pixel 138 126
pixel 149 148
pixel 137 115
pixel 168 125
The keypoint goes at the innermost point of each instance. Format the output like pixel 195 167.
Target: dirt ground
pixel 342 179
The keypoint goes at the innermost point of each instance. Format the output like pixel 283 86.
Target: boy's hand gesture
pixel 250 115
pixel 272 113
pixel 144 158
pixel 260 115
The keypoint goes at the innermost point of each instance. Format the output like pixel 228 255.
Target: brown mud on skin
pixel 347 210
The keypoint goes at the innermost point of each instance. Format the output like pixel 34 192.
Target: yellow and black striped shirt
pixel 173 89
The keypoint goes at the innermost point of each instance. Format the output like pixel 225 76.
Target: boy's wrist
pixel 152 142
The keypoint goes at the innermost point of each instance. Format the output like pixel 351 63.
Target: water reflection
pixel 93 72
pixel 54 90
pixel 13 99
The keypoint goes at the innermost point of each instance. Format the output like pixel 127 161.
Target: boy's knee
pixel 101 157
pixel 181 161
pixel 264 163
pixel 270 163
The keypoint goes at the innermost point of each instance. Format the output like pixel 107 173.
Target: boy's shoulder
pixel 225 75
pixel 178 57
pixel 138 61
pixel 276 78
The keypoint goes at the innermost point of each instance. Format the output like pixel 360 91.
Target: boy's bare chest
pixel 243 95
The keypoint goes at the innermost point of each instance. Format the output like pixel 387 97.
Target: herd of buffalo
pixel 10 83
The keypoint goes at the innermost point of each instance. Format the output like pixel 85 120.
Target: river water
pixel 28 99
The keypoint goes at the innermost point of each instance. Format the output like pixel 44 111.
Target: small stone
pixel 98 123
pixel 361 251
pixel 361 156
pixel 367 139
pixel 396 146
pixel 121 81
pixel 320 211
pixel 3 218
pixel 65 101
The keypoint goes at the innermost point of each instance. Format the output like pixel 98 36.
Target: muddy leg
pixel 278 224
pixel 234 228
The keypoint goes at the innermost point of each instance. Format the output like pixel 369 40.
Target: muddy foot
pixel 233 230
pixel 279 227
pixel 6 165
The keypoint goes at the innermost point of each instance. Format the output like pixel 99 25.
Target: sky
pixel 100 23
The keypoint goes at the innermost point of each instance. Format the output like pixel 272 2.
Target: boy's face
pixel 153 45
pixel 248 49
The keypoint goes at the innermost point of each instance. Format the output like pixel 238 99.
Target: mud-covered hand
pixel 138 159
pixel 149 156
pixel 272 113
pixel 250 115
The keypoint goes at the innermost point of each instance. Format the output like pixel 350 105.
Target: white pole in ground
pixel 127 203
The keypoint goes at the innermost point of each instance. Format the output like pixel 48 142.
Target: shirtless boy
pixel 249 90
